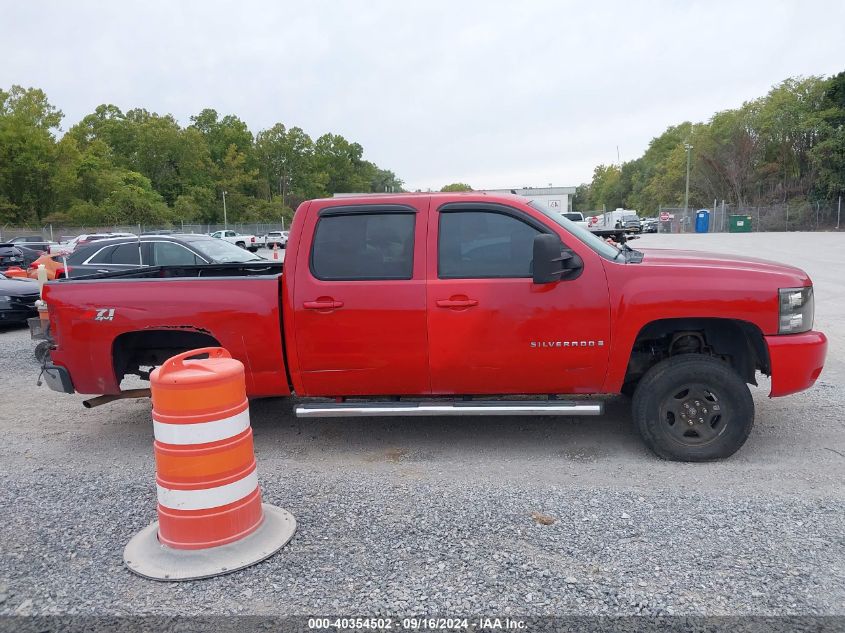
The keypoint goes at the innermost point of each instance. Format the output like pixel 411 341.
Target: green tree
pixel 341 162
pixel 221 134
pixel 286 160
pixel 456 187
pixel 27 152
pixel 384 180
pixel 828 155
pixel 605 190
pixel 239 182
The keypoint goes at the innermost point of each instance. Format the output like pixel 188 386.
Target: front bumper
pixel 16 315
pixel 796 361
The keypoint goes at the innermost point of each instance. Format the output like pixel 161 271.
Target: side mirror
pixel 553 262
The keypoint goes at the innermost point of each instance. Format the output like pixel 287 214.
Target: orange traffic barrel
pixel 211 518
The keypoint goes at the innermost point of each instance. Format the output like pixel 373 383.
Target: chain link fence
pixel 57 233
pixel 804 216
pixel 723 218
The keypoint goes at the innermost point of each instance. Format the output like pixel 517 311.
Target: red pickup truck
pixel 461 304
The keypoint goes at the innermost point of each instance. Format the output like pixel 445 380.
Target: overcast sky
pixel 495 94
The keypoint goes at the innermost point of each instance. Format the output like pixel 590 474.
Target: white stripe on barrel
pixel 201 432
pixel 209 497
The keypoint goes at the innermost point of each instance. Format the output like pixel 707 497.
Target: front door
pixel 491 329
pixel 359 300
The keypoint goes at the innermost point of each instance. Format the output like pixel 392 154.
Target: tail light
pixel 253 238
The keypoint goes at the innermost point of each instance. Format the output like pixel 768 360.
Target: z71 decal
pixel 104 314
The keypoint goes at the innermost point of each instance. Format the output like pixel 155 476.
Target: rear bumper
pixel 57 378
pixel 796 361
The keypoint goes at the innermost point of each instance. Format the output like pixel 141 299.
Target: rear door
pixel 174 254
pixel 360 300
pixel 491 329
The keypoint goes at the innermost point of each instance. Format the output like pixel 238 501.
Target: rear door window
pixel 364 246
pixel 172 254
pixel 127 254
pixel 103 256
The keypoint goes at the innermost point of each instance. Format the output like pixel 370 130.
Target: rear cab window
pixel 363 243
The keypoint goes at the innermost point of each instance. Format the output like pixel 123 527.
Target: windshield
pixel 222 252
pixel 585 235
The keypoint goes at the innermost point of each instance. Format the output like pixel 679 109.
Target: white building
pixel 556 198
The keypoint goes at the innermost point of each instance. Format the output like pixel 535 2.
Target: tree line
pixel 786 146
pixel 116 167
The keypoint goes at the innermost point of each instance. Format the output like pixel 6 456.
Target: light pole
pixel 687 147
pixel 225 219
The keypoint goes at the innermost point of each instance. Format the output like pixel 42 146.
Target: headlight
pixel 796 310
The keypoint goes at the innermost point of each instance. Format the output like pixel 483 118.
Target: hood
pixel 724 262
pixel 18 287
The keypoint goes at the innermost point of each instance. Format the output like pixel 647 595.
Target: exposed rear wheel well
pixel 738 343
pixel 149 348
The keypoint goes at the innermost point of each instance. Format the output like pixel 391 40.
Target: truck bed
pixel 110 325
pixel 203 270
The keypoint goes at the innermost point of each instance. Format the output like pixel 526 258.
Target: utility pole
pixel 713 219
pixel 687 147
pixel 839 212
pixel 225 219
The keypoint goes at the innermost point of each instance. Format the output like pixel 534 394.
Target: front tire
pixel 693 408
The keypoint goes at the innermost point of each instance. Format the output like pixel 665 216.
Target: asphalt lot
pixel 433 516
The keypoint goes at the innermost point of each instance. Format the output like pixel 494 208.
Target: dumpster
pixel 702 221
pixel 739 224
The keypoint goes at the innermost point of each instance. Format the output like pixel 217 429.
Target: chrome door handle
pixel 322 305
pixel 456 303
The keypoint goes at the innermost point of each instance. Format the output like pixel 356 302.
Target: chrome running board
pixel 461 407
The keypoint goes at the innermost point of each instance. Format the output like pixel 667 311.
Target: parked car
pixel 35 242
pixel 17 299
pixel 432 300
pixel 617 219
pixel 29 255
pixel 632 223
pixel 10 256
pixel 126 253
pixel 650 225
pixel 249 242
pixel 274 238
pixel 577 217
pixel 79 241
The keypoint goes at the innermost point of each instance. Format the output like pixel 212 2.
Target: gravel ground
pixel 434 516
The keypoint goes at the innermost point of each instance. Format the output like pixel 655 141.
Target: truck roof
pixel 382 197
